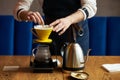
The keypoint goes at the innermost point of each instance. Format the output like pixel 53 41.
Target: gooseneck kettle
pixel 73 56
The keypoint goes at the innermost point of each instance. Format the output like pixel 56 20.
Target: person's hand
pixel 31 16
pixel 61 25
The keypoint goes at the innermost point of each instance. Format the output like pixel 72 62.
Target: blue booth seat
pixel 6 35
pixel 16 37
pixel 113 36
pixel 97 27
pixel 23 38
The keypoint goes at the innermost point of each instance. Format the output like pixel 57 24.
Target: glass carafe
pixel 41 53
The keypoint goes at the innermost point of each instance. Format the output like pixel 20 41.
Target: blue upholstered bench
pixel 16 37
pixel 98 33
pixel 104 35
pixel 22 38
pixel 6 35
pixel 113 36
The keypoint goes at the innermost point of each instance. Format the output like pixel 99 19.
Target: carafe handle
pixel 33 51
pixel 32 57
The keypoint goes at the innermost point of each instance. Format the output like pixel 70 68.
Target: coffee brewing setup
pixel 41 60
pixel 72 53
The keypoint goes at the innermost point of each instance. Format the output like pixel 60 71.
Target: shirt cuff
pixel 18 14
pixel 85 17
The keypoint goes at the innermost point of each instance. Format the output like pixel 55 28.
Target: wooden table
pixel 93 68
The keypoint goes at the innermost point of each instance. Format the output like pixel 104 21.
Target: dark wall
pixel 105 7
pixel 108 8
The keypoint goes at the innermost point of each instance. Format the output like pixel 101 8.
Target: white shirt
pixel 90 5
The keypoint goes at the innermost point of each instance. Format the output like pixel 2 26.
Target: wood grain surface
pixel 92 67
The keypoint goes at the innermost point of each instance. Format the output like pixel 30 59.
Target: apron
pixel 55 9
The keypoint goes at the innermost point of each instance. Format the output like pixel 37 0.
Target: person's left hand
pixel 61 25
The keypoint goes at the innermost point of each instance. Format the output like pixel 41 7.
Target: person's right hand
pixel 32 16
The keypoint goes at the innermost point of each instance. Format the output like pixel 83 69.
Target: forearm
pixel 76 17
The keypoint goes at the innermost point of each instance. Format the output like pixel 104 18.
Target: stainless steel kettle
pixel 73 56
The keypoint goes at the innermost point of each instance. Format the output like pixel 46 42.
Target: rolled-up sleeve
pixel 89 8
pixel 21 5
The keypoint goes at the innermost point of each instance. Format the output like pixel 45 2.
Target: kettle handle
pixel 62 50
pixel 86 59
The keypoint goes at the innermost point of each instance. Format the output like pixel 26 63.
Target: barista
pixel 61 14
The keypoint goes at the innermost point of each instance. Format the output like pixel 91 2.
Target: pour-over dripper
pixel 42 32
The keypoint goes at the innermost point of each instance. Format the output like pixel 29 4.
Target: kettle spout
pixel 86 59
